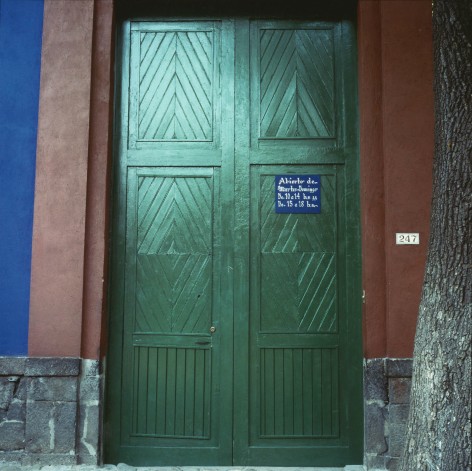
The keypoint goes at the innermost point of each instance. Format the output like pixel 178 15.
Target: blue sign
pixel 298 194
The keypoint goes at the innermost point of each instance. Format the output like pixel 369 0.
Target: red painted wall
pixel 68 288
pixel 68 285
pixel 396 109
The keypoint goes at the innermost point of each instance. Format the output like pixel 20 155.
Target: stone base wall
pixel 49 411
pixel 387 384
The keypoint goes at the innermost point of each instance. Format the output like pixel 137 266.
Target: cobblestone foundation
pixel 49 411
pixel 387 384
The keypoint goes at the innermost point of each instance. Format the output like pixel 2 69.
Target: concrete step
pixel 125 467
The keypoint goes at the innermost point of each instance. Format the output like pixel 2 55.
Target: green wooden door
pixel 234 329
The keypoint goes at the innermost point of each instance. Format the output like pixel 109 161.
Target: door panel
pixel 296 73
pixel 174 94
pixel 302 271
pixel 169 396
pixel 171 296
pixel 234 330
pixel 294 339
pixel 174 260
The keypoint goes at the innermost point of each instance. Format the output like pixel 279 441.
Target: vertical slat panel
pixel 207 393
pixel 142 389
pixel 298 401
pixel 152 392
pixel 189 391
pixel 262 398
pixel 299 395
pixel 279 391
pixel 199 392
pixel 135 392
pixel 180 393
pixel 307 372
pixel 317 392
pixel 162 391
pixel 335 392
pixel 288 391
pixel 326 392
pixel 171 390
pixel 269 407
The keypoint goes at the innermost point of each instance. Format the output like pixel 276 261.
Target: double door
pixel 235 296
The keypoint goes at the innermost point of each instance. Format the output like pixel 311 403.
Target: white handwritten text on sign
pixel 298 194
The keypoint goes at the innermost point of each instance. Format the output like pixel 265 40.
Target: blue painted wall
pixel 21 23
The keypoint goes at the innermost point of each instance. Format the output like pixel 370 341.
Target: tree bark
pixel 439 425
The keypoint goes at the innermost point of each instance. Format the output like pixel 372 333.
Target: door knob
pixel 212 329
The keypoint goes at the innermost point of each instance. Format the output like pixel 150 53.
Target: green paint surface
pixel 234 330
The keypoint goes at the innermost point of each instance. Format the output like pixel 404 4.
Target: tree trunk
pixel 439 425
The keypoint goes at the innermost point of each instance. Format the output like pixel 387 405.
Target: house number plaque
pixel 298 194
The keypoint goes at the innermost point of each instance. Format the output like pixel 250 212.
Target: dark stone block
pixel 91 368
pixel 396 440
pixel 89 428
pixel 38 426
pixel 375 441
pixel 398 414
pixel 393 464
pixel 375 382
pixel 65 419
pixel 20 393
pixel 52 367
pixel 50 427
pixel 12 366
pixel 399 367
pixel 88 460
pixel 17 411
pixel 7 388
pixel 399 390
pixel 89 389
pixel 52 389
pixel 51 459
pixel 375 461
pixel 12 435
pixel 12 457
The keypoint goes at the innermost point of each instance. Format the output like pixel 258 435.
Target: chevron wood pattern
pixel 293 233
pixel 296 83
pixel 176 86
pixel 298 265
pixel 174 272
pixel 298 293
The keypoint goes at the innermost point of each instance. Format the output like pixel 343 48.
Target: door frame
pixel 241 266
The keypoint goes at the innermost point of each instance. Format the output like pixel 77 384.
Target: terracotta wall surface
pixel 71 197
pixel 396 110
pixel 61 180
pixel 69 244
pixel 101 132
pixel 372 178
pixel 408 148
